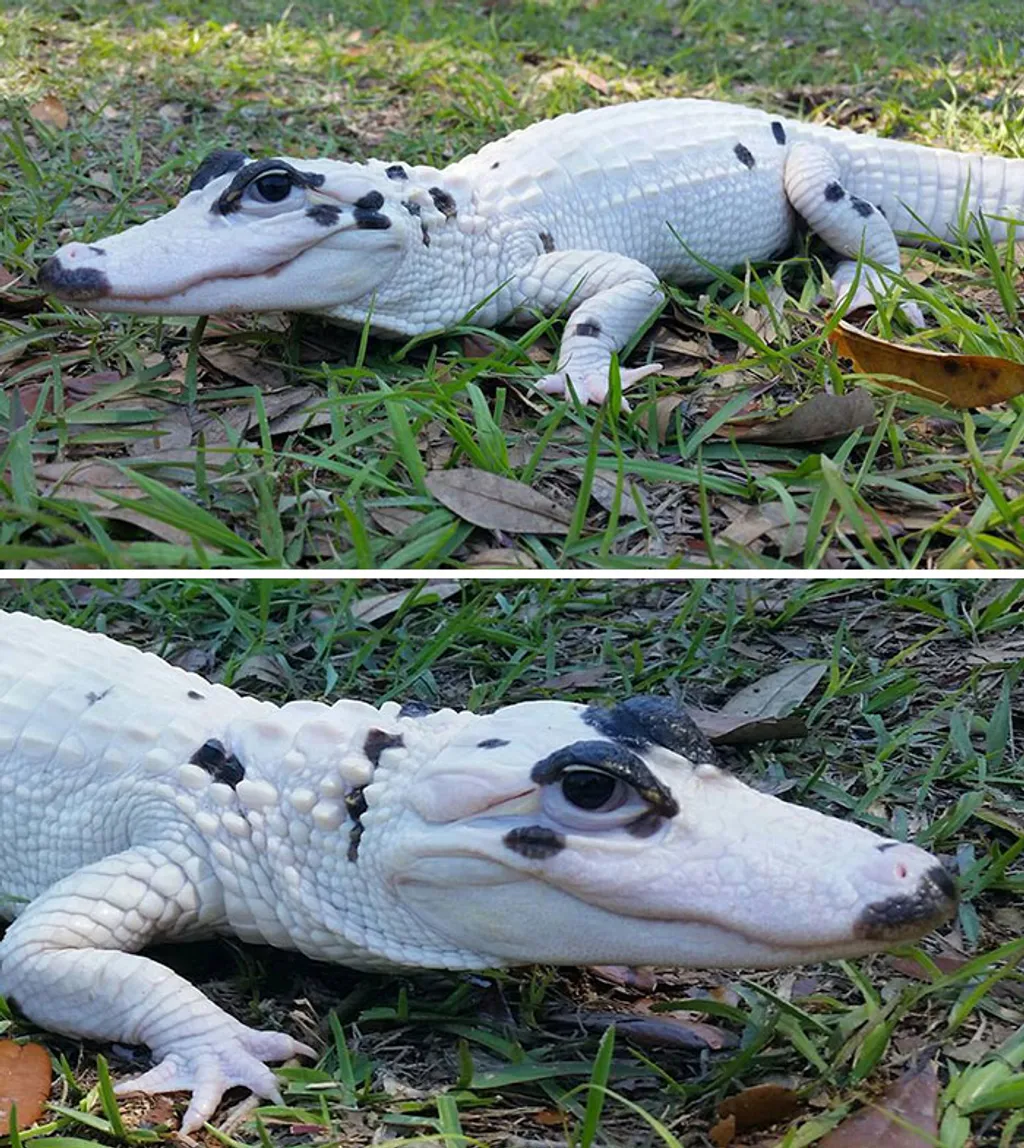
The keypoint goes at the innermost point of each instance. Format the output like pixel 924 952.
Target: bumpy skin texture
pixel 144 804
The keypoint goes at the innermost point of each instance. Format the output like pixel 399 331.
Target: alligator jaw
pixel 905 917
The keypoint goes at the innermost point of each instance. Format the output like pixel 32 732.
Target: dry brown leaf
pixel 661 1029
pixel 25 1075
pixel 723 1133
pixel 913 1098
pixel 378 606
pixel 602 491
pixel 735 729
pixel 664 408
pixel 502 556
pixel 777 694
pixel 824 416
pixel 761 1106
pixel 626 976
pixel 964 381
pixel 496 503
pixel 50 111
pixel 395 519
pixel 245 364
pixel 583 678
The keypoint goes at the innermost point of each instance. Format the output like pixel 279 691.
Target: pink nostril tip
pixel 901 871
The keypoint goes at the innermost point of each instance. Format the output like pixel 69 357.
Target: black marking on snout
pixel 887 845
pixel 534 842
pixel 396 171
pixel 612 758
pixel 73 283
pixel 587 330
pixel 218 763
pixel 92 698
pixel 744 155
pixel 644 720
pixel 496 165
pixel 910 914
pixel 230 199
pixel 492 743
pixel 195 695
pixel 97 250
pixel 377 741
pixel 834 192
pixel 547 242
pixel 355 803
pixel 217 163
pixel 443 201
pixel 779 132
pixel 861 206
pixel 371 201
pixel 370 220
pixel 415 709
pixel 326 214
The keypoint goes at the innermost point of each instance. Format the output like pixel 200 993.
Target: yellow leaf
pixel 50 111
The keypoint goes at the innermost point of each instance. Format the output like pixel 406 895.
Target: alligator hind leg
pixel 847 223
pixel 610 297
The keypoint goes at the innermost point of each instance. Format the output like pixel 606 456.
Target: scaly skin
pixel 145 804
pixel 585 212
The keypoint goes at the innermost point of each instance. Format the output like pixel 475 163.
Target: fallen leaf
pixel 649 1028
pixel 495 502
pixel 50 111
pixel 626 976
pixel 664 408
pixel 824 416
pixel 964 381
pixel 246 364
pixel 723 1133
pixel 740 729
pixel 913 1098
pixel 576 679
pixel 760 1106
pixel 377 606
pixel 504 556
pixel 778 694
pixel 25 1075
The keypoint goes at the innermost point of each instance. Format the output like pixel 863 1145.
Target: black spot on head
pixel 861 206
pixel 396 171
pixel 97 251
pixel 443 201
pixel 378 740
pixel 372 200
pixel 744 155
pixel 834 192
pixel 92 698
pixel 326 214
pixel 195 695
pixel 355 803
pixel 547 242
pixel 367 220
pixel 535 842
pixel 886 845
pixel 643 721
pixel 218 763
pixel 492 743
pixel 779 132
pixel 587 330
pixel 496 165
pixel 415 709
pixel 217 163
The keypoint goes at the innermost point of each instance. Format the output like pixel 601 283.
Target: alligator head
pixel 255 235
pixel 561 833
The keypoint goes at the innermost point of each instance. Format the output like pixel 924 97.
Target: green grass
pixel 313 450
pixel 914 730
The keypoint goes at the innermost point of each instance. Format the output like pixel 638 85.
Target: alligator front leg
pixel 610 298
pixel 63 962
pixel 848 224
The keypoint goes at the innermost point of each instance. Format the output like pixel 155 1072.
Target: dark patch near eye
pixel 547 242
pixel 611 758
pixel 195 695
pixel 443 201
pixel 217 163
pixel 97 251
pixel 231 198
pixel 646 825
pixel 92 698
pixel 644 720
pixel 372 200
pixel 218 763
pixel 414 210
pixel 587 330
pixel 534 842
pixel 355 803
pixel 492 743
pixel 415 709
pixel 396 171
pixel 367 220
pixel 326 214
pixel 861 206
pixel 779 132
pixel 834 192
pixel 378 740
pixel 744 155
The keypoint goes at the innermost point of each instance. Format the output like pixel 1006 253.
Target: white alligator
pixel 144 803
pixel 585 212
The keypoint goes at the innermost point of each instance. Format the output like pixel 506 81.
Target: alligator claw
pixel 592 386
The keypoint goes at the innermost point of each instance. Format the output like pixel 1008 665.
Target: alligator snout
pixel 66 276
pixel 919 901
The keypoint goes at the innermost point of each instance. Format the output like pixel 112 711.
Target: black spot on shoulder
pixel 415 709
pixel 326 214
pixel 744 155
pixel 443 201
pixel 195 695
pixel 535 842
pixel 378 740
pixel 396 171
pixel 355 803
pixel 492 743
pixel 547 242
pixel 587 330
pixel 861 206
pixel 372 201
pixel 834 192
pixel 92 697
pixel 367 220
pixel 217 163
pixel 779 132
pixel 218 763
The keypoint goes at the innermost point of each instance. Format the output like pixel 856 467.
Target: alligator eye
pixel 273 187
pixel 591 789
